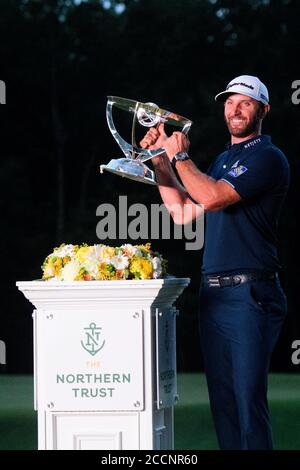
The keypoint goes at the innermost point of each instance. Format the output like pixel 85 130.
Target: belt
pixel 236 279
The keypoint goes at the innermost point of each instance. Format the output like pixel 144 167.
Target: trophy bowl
pixel 132 166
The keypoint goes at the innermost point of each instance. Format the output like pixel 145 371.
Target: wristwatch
pixel 179 156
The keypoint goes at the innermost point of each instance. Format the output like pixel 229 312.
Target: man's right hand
pixel 155 138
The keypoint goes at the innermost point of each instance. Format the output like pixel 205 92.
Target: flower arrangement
pixel 103 262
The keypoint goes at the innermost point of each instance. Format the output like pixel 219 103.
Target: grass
pixel 193 422
pixel 18 420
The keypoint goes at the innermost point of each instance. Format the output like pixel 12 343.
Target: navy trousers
pixel 239 327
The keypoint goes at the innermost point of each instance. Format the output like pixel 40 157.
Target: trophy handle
pixel 125 147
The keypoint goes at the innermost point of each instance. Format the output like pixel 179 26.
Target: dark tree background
pixel 60 59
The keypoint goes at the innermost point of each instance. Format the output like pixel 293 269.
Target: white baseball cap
pixel 246 85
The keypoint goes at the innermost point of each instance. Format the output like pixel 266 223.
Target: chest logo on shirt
pixel 237 170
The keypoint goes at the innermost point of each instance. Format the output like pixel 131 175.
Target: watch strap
pixel 179 156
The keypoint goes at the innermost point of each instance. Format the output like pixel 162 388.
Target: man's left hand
pixel 178 142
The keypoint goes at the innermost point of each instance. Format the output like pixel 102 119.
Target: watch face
pixel 181 156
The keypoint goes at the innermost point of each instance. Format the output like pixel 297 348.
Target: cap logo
pixel 240 83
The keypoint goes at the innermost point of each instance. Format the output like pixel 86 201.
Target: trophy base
pixel 130 168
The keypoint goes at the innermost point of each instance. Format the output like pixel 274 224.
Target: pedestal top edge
pixel 41 285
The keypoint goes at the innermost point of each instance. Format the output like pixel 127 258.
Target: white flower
pixel 119 261
pixel 66 250
pixel 131 250
pixel 97 250
pixel 157 268
pixel 105 253
pixel 91 264
pixel 49 271
pixel 70 271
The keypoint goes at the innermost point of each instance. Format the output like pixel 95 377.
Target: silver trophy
pixel 148 115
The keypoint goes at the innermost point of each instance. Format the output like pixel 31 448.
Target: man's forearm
pixel 213 194
pixel 173 194
pixel 200 186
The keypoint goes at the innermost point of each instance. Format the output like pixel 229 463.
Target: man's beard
pixel 250 128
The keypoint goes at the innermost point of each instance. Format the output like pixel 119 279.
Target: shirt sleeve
pixel 258 173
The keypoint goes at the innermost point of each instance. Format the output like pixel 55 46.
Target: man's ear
pixel 265 110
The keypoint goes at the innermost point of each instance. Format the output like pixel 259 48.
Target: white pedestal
pixel 105 362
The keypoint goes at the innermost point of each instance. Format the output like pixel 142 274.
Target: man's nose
pixel 236 109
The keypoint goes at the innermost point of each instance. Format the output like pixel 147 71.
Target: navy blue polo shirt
pixel 243 236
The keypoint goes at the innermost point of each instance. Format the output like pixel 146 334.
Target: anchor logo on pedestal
pixel 92 342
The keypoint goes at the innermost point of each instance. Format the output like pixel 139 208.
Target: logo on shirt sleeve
pixel 237 171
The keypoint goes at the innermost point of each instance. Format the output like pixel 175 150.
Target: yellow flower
pixel 57 265
pixel 82 253
pixel 52 267
pixel 106 253
pixel 141 268
pixel 146 247
pixel 103 273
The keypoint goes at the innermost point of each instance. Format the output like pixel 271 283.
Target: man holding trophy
pixel 242 305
